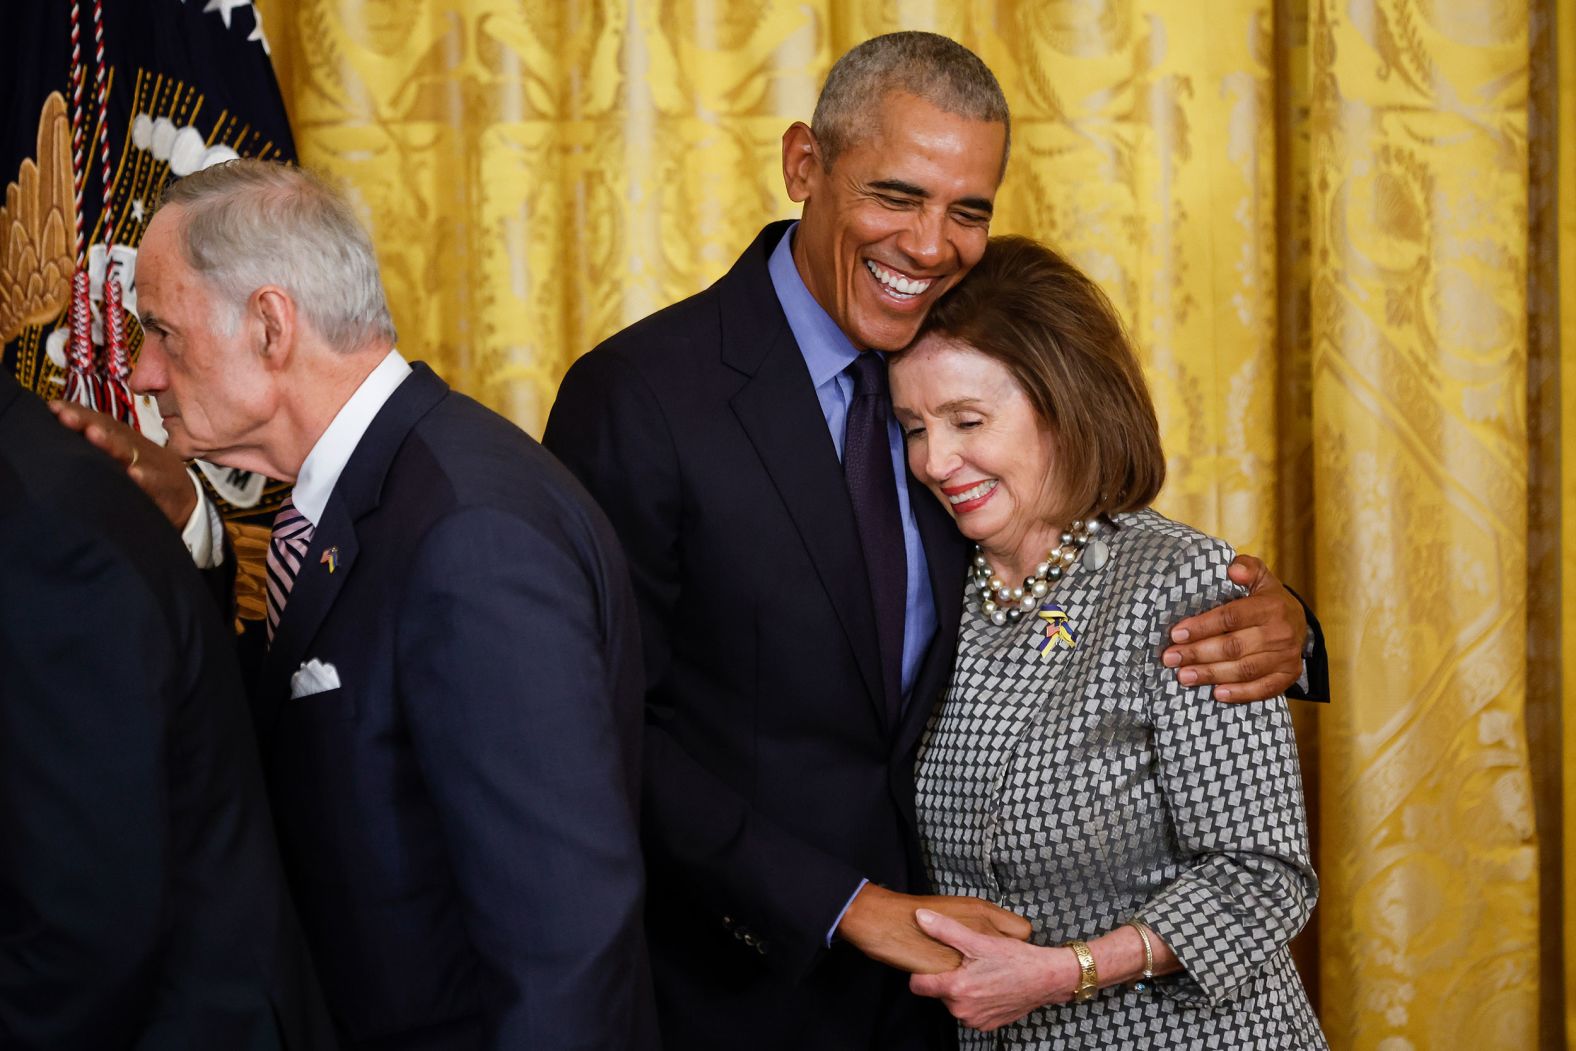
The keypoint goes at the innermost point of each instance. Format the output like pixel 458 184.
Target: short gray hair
pixel 930 66
pixel 249 223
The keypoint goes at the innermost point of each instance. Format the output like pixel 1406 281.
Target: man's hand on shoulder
pixel 1250 649
pixel 156 471
pixel 880 923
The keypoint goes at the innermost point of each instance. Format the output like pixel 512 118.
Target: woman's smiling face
pixel 975 440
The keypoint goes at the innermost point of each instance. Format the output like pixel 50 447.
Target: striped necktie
pixel 287 548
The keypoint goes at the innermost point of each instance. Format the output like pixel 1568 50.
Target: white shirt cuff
pixel 204 532
pixel 1307 653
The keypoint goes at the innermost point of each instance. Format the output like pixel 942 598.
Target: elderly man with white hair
pixel 448 700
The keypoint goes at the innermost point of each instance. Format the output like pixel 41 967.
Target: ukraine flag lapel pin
pixel 1058 632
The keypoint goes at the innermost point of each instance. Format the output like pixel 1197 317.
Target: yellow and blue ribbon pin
pixel 330 559
pixel 1057 630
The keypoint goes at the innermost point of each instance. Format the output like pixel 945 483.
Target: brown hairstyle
pixel 1057 333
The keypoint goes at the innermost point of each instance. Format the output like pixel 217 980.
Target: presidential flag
pixel 106 102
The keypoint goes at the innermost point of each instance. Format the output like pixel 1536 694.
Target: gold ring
pixel 135 452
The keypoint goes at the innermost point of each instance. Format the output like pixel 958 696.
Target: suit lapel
pixel 314 590
pixel 803 466
pixel 332 558
pixel 778 410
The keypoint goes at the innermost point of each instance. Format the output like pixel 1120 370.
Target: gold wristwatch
pixel 1088 977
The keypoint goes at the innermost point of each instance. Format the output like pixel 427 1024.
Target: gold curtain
pixel 1554 630
pixel 1419 206
pixel 1336 229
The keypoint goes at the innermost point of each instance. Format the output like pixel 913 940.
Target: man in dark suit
pixel 141 898
pixel 449 703
pixel 799 612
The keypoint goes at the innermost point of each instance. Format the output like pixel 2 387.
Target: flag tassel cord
pixel 104 389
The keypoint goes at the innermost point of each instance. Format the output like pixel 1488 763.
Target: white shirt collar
pixel 320 472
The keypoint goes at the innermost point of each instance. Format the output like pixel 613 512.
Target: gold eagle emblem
pixel 37 227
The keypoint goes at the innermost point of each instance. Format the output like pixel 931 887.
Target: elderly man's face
pixel 899 219
pixel 211 387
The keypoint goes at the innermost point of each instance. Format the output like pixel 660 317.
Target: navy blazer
pixel 773 781
pixel 142 904
pixel 459 816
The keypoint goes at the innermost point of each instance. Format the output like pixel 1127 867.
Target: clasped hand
pixel 881 923
pixel 999 979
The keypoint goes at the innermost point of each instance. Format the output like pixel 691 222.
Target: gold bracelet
pixel 1149 955
pixel 1088 977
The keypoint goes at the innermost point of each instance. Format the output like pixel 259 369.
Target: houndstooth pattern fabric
pixel 1089 788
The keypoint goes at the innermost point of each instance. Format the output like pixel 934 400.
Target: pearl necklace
pixel 1002 603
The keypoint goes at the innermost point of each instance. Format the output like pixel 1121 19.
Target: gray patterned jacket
pixel 1087 787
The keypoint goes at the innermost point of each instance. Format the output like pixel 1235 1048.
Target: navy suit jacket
pixel 773 781
pixel 142 903
pixel 459 817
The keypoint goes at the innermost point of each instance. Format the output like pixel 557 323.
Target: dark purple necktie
pixel 867 467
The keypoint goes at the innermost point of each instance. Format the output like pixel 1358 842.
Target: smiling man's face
pixel 900 217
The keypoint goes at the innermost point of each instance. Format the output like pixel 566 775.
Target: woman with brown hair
pixel 1154 837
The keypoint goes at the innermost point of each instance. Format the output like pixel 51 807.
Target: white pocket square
pixel 313 677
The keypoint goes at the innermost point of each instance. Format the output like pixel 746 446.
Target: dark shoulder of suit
pixel 474 457
pixel 180 931
pixel 485 460
pixel 462 454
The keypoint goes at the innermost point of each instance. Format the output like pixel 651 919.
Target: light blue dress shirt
pixel 827 352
